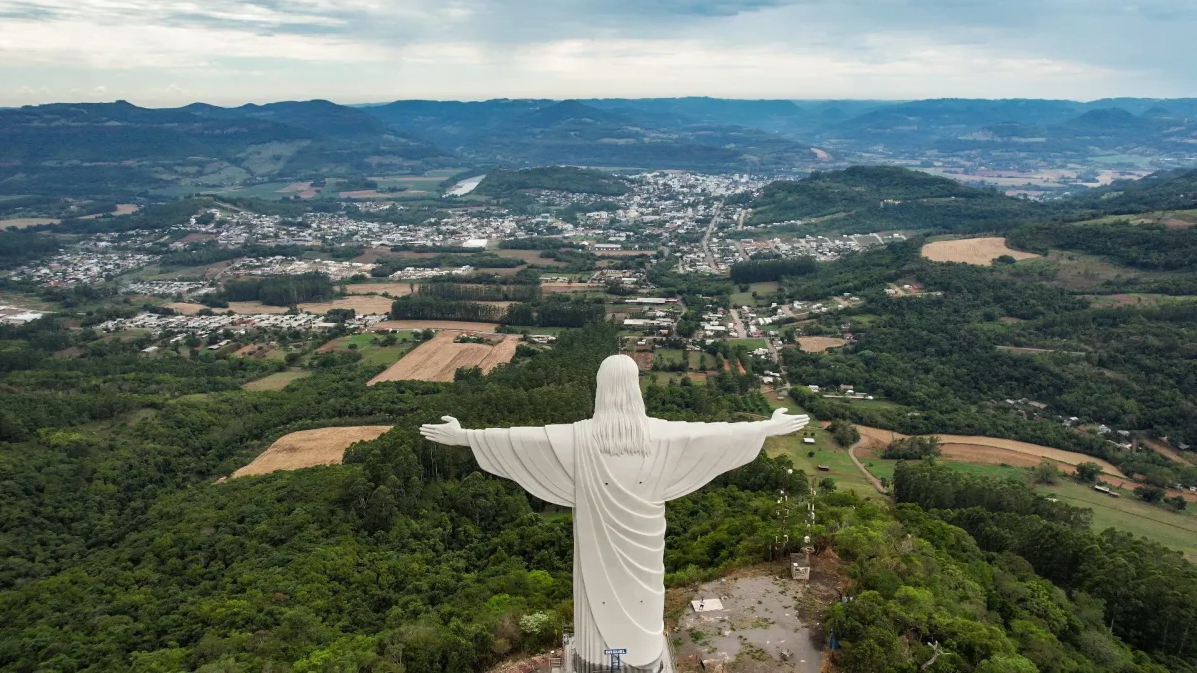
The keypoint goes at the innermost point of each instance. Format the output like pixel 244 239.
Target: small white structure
pixel 707 604
pixel 808 440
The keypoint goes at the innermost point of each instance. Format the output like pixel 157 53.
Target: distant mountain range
pixel 118 147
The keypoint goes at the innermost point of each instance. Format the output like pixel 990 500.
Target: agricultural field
pixel 308 448
pixel 392 288
pixel 372 353
pixel 670 355
pixel 1172 219
pixel 391 325
pixel 364 305
pixel 1177 530
pixel 261 351
pixel 550 288
pixel 979 251
pixel 440 358
pixel 276 381
pixel 1078 271
pixel 765 291
pixel 992 450
pixel 22 222
pixel 1143 300
pixel 665 378
pixel 818 344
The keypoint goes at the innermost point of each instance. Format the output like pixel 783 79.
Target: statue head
pixel 620 422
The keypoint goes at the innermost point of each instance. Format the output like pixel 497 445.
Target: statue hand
pixel 785 424
pixel 448 433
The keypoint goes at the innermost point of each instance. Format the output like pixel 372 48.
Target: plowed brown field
pixel 980 251
pixel 994 450
pixel 440 358
pixel 307 448
pixel 401 289
pixel 819 344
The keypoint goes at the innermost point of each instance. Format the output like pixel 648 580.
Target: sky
pixel 172 52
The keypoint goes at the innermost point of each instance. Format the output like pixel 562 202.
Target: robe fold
pixel 619 515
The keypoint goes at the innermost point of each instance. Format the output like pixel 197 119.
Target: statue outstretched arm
pixel 539 459
pixel 782 423
pixel 449 433
pixel 696 453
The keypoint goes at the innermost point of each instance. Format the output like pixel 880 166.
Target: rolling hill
pixel 119 148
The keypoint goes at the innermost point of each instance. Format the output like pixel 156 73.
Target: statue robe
pixel 619 515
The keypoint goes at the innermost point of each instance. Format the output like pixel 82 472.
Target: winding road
pixel 868 475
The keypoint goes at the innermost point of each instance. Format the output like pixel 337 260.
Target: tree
pixel 1150 493
pixel 1177 503
pixel 912 448
pixel 1007 663
pixel 827 484
pixel 1088 472
pixel 1046 472
pixel 844 432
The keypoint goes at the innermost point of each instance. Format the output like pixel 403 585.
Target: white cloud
pixel 370 50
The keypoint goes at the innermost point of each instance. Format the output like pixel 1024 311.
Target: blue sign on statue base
pixel 616 664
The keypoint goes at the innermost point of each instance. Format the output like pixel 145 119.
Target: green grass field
pixel 374 354
pixel 765 295
pixel 670 355
pixel 751 344
pixel 276 381
pixel 1176 530
pixel 843 470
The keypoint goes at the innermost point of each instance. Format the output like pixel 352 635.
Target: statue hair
pixel 620 424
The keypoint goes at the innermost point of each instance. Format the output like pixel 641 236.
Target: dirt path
pixel 1166 451
pixel 859 465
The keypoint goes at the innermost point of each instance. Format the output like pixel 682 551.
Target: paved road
pixel 706 248
pixel 740 248
pixel 743 333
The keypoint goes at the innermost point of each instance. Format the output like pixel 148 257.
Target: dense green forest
pixel 555 311
pixel 1147 594
pixel 883 198
pixel 500 182
pixel 21 247
pixel 435 308
pixel 287 290
pixel 1143 246
pixel 756 271
pixel 479 292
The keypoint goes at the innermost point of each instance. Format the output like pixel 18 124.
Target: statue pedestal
pixel 573 663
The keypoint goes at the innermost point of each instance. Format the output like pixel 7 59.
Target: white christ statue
pixel 617 470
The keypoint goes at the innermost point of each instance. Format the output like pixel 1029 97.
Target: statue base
pixel 574 663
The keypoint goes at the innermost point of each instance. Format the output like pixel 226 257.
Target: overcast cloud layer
pixel 171 52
